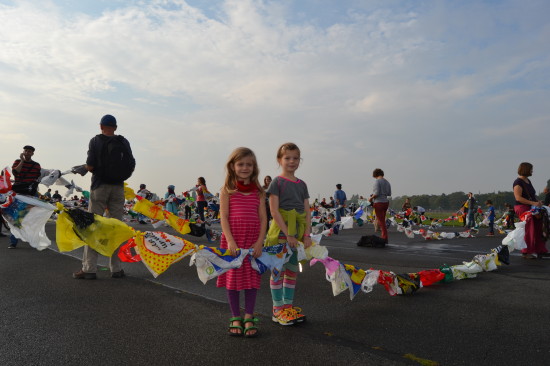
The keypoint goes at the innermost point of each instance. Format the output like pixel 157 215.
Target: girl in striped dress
pixel 243 220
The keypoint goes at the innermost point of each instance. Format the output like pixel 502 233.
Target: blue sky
pixel 443 95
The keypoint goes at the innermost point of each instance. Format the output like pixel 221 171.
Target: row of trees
pixel 453 201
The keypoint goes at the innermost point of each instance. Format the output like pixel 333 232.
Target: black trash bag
pixel 197 230
pixel 371 241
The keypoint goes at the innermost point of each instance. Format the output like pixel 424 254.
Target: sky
pixel 444 96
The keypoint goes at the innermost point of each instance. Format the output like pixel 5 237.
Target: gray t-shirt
pixel 291 194
pixel 382 190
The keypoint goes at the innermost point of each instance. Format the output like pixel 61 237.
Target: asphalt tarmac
pixel 500 317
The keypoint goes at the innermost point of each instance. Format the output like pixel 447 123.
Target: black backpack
pixel 371 241
pixel 116 161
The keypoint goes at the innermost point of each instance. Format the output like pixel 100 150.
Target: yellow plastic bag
pixel 104 235
pixel 176 222
pixel 129 193
pixel 149 209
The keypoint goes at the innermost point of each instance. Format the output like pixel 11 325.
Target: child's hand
pixel 307 242
pixel 232 246
pixel 292 241
pixel 258 246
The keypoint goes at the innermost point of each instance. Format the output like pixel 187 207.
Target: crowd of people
pixel 255 216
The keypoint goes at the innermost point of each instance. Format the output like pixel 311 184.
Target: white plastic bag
pixel 516 238
pixel 32 226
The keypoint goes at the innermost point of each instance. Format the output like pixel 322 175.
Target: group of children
pixel 244 221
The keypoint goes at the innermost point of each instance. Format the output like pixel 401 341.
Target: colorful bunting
pixel 158 250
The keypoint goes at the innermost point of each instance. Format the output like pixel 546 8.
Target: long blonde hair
pixel 239 153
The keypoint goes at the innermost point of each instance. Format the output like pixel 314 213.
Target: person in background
pixel 419 211
pixel 107 189
pixel 510 216
pixel 381 190
pixel 143 192
pixel 171 200
pixel 490 217
pixel 56 197
pixel 48 194
pixel 340 202
pixel 26 173
pixel 464 209
pixel 471 210
pixel 201 202
pixel 187 205
pixel 406 208
pixel 526 198
pixel 214 206
pixel 547 193
pixel 267 182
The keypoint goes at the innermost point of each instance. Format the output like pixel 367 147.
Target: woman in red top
pixel 201 199
pixel 525 196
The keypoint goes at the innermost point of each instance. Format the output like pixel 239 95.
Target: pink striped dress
pixel 244 222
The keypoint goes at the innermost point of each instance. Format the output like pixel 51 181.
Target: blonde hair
pixel 240 153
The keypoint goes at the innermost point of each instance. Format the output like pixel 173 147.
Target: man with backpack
pixel 111 162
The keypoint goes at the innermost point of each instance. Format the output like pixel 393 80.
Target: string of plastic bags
pixel 158 250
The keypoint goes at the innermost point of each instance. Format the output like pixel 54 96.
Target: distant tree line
pixel 454 201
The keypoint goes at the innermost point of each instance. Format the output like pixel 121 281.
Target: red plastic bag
pixel 5 182
pixel 125 252
pixel 431 276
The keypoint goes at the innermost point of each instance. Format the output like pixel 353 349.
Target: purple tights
pixel 249 301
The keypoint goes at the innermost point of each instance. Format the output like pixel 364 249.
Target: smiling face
pixel 290 161
pixel 244 168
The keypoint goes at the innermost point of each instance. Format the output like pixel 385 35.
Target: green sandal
pixel 231 326
pixel 248 329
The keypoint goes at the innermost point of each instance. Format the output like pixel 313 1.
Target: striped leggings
pixel 283 284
